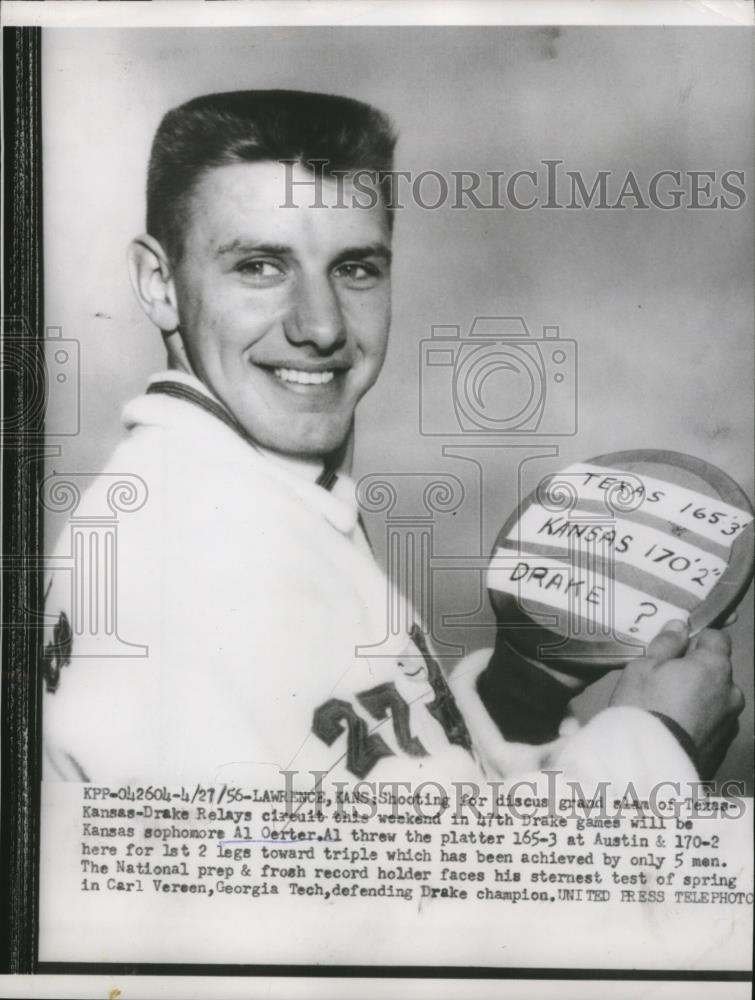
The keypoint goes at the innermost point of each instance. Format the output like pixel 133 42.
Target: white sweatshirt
pixel 257 598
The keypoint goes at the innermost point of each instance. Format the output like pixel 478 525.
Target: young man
pixel 246 573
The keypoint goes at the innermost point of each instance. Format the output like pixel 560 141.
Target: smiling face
pixel 284 312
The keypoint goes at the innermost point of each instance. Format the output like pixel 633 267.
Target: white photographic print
pixel 394 500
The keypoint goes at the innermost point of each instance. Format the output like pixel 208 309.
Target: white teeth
pixel 303 378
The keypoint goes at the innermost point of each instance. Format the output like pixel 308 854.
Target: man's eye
pixel 261 270
pixel 358 275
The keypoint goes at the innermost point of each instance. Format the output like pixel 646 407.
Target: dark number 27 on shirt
pixel 363 748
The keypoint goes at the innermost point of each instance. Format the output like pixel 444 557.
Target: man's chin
pixel 313 445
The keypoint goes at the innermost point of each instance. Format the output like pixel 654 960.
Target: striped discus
pixel 599 556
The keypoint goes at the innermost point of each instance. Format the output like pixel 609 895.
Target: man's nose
pixel 316 318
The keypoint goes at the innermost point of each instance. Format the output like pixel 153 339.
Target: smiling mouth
pixel 301 377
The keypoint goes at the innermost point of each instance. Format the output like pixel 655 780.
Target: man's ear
pixel 152 281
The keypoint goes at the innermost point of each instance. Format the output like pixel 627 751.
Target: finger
pixel 713 641
pixel 733 617
pixel 670 642
pixel 569 726
pixel 736 699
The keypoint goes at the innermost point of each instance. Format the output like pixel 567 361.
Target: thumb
pixel 670 643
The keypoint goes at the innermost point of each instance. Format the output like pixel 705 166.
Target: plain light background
pixel 658 302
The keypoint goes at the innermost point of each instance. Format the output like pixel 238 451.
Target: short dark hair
pixel 250 126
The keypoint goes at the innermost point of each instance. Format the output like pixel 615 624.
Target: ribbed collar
pixel 157 409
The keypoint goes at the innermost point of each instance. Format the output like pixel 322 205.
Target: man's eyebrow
pixel 253 246
pixel 241 246
pixel 363 253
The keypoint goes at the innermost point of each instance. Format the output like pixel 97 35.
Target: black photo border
pixel 22 468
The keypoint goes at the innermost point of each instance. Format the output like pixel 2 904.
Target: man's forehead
pixel 287 196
